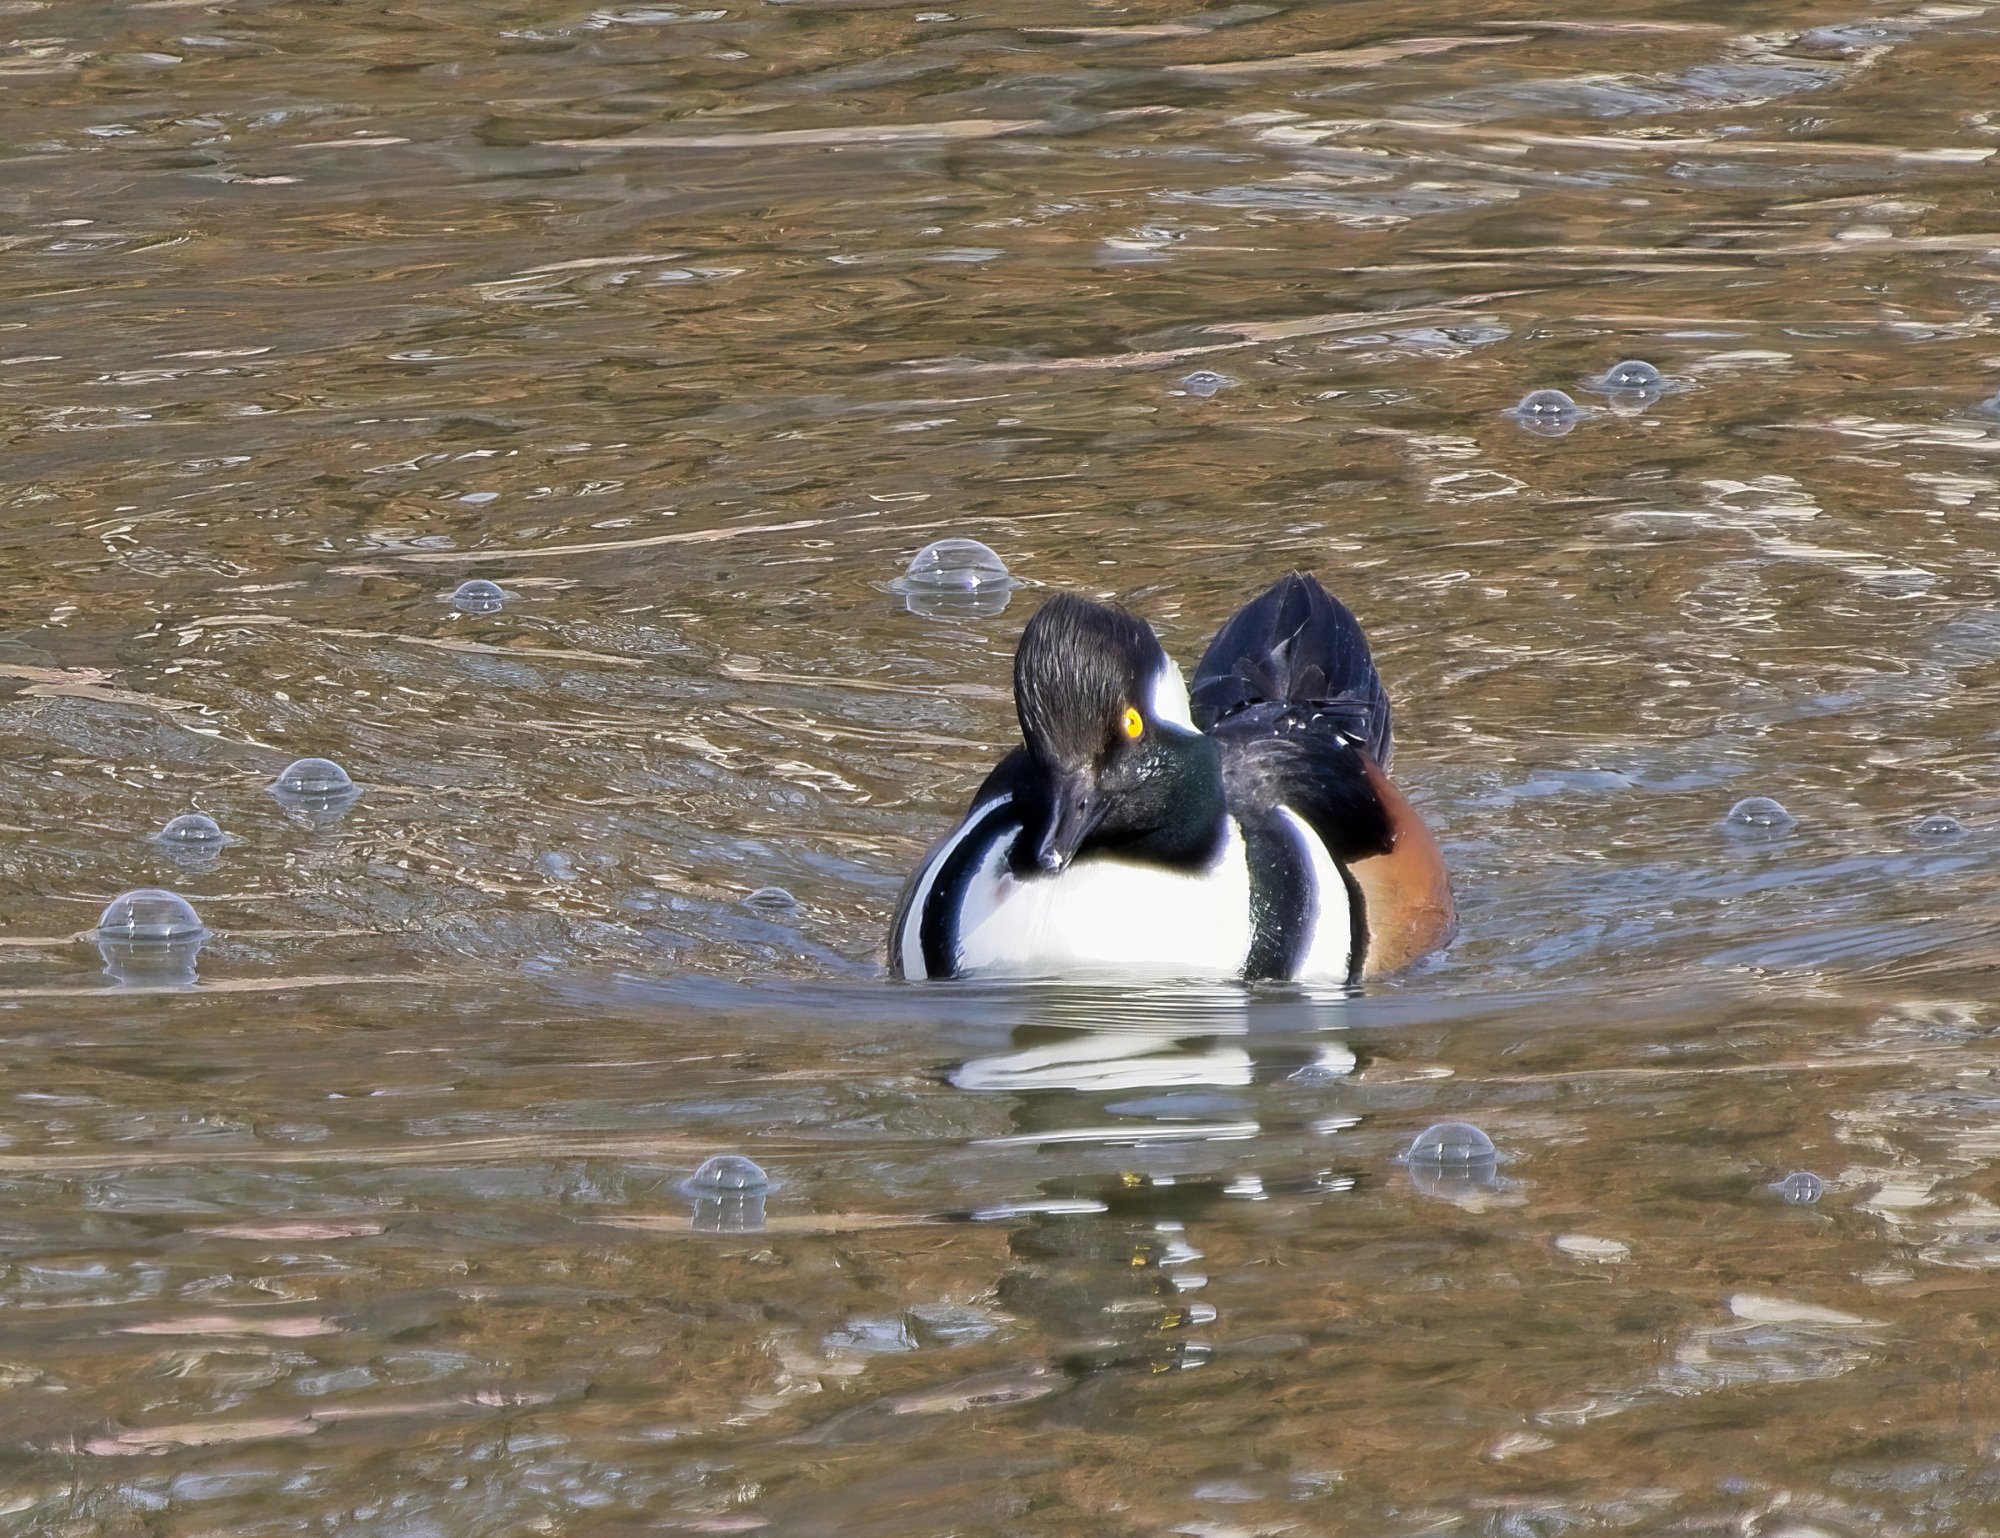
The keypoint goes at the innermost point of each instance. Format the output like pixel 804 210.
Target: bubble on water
pixel 1451 1142
pixel 726 1175
pixel 315 790
pixel 1801 1188
pixel 1453 1160
pixel 729 1192
pixel 1632 374
pixel 1548 412
pixel 478 596
pixel 1939 828
pixel 774 899
pixel 192 828
pixel 150 936
pixel 313 777
pixel 1758 817
pixel 957 565
pixel 1990 407
pixel 1204 382
pixel 956 578
pixel 192 841
pixel 149 913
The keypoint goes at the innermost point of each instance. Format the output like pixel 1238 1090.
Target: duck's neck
pixel 1177 819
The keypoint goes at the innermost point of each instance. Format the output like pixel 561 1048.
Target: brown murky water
pixel 689 326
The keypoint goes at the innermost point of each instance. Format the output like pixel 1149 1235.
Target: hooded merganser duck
pixel 1249 831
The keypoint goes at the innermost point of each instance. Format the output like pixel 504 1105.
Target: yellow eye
pixel 1133 722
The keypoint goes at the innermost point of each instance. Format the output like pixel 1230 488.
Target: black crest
pixel 1079 665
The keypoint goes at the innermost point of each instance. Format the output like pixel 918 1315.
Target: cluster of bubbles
pixel 1759 817
pixel 1628 386
pixel 153 936
pixel 1450 1160
pixel 1455 1162
pixel 960 578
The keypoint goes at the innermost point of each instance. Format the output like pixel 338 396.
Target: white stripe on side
pixel 910 943
pixel 1329 955
pixel 1168 700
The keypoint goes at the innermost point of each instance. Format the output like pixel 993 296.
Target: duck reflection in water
pixel 1182 1084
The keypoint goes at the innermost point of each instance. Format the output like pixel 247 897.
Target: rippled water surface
pixel 686 327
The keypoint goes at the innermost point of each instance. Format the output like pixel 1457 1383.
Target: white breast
pixel 1105 914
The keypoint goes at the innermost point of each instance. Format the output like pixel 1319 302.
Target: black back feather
pixel 1295 646
pixel 1271 758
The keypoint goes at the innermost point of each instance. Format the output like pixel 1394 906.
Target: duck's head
pixel 1113 756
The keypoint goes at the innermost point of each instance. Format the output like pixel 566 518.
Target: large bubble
pixel 150 935
pixel 1801 1188
pixel 479 596
pixel 192 828
pixel 149 913
pixel 313 777
pixel 1635 376
pixel 317 789
pixel 728 1192
pixel 1758 817
pixel 956 579
pixel 1451 1160
pixel 727 1173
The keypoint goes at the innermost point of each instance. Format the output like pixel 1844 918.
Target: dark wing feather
pixel 1276 756
pixel 1296 645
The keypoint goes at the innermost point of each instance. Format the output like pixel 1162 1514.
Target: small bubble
pixel 1205 382
pixel 478 596
pixel 313 777
pixel 1451 1142
pixel 1453 1161
pixel 774 899
pixel 725 1175
pixel 1633 374
pixel 480 498
pixel 1939 828
pixel 956 578
pixel 150 914
pixel 192 828
pixel 1548 412
pixel 1758 817
pixel 1801 1188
